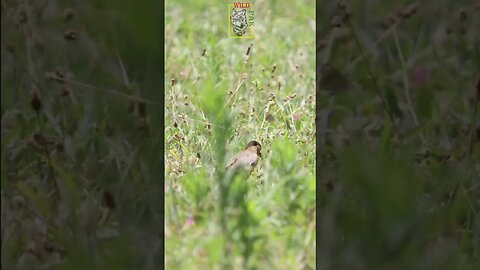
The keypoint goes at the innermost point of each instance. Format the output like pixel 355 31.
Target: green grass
pixel 218 102
pixel 80 184
pixel 401 194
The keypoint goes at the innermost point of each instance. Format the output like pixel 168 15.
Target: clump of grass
pixel 388 203
pixel 222 93
pixel 79 169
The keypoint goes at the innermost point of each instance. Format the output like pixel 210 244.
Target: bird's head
pixel 254 146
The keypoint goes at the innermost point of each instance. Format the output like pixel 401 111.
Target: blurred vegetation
pixel 398 158
pixel 218 98
pixel 81 135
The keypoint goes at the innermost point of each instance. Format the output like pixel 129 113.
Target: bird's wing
pixel 246 159
pixel 232 162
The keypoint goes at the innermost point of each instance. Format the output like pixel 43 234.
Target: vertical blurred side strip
pixel 317 117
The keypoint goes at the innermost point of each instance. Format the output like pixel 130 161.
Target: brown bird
pixel 246 159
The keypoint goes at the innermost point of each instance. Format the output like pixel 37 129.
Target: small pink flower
pixel 189 221
pixel 296 116
pixel 420 76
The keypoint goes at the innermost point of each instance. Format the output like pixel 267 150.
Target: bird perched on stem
pixel 246 159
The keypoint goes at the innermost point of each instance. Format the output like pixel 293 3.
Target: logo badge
pixel 240 20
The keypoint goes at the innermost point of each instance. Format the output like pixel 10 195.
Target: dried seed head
pixel 342 4
pixel 462 15
pixel 56 75
pixel 65 92
pixel 108 199
pixel 173 82
pixel 22 17
pixel 36 103
pixel 59 76
pixel 274 67
pixel 269 118
pixel 39 139
pixel 391 19
pixel 68 14
pixel 60 148
pixel 204 51
pixel 70 35
pixel 409 10
pixel 329 185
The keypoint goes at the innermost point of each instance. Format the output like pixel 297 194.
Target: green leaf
pixel 39 202
pixel 424 104
pixel 386 139
pixel 67 180
pixel 392 102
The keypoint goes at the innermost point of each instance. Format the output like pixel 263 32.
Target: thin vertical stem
pixel 406 85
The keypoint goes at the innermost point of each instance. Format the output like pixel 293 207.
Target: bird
pixel 246 159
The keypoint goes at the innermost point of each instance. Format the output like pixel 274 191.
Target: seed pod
pixel 109 201
pixel 36 103
pixel 60 148
pixel 462 15
pixel 70 35
pixel 269 118
pixel 68 14
pixel 40 139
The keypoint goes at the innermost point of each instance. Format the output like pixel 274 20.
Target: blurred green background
pixel 81 135
pixel 401 194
